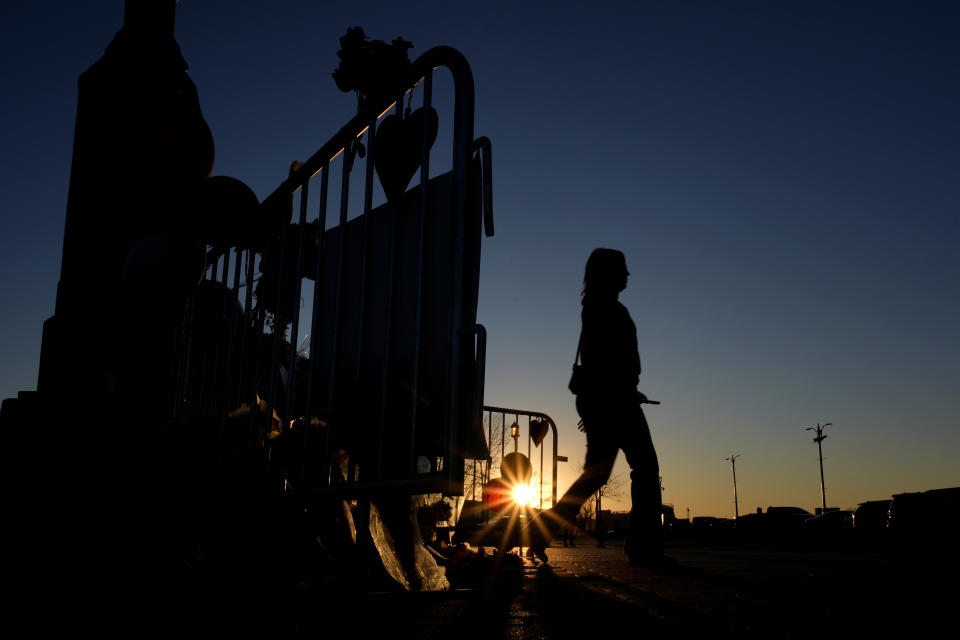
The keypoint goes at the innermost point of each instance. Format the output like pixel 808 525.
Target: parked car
pixel 872 515
pixel 752 523
pixel 705 523
pixel 830 521
pixel 791 518
pixel 931 512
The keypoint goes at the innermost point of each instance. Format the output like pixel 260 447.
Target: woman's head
pixel 606 272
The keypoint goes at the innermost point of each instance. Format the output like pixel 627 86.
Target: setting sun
pixel 522 494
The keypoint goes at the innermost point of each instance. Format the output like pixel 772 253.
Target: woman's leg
pixel 601 454
pixel 644 541
pixel 597 467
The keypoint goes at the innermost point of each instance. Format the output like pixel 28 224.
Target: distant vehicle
pixel 909 512
pixel 703 523
pixel 934 511
pixel 787 517
pixel 752 523
pixel 872 515
pixel 830 521
pixel 729 525
pixel 788 511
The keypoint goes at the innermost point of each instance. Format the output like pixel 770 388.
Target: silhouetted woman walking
pixel 609 405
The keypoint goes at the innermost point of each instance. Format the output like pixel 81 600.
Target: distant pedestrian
pixel 609 405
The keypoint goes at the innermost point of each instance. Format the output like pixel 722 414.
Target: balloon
pixel 226 213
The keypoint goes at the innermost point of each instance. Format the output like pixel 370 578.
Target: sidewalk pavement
pixel 585 592
pixel 748 591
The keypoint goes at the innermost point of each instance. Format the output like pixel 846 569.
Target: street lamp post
pixel 733 465
pixel 819 439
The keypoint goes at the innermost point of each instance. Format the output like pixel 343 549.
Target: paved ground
pixel 586 592
pixel 783 592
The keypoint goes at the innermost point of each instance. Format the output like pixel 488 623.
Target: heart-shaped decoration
pixel 398 148
pixel 538 431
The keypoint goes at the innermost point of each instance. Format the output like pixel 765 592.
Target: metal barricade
pixel 388 395
pixel 535 421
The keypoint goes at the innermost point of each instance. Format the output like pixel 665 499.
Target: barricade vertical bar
pixel 257 372
pixel 368 173
pixel 367 207
pixel 278 328
pixel 529 439
pixel 489 428
pixel 463 311
pixel 489 437
pixel 385 367
pixel 344 196
pixel 424 179
pixel 295 321
pixel 197 404
pixel 227 395
pixel 225 273
pixel 460 313
pixel 364 244
pixel 503 434
pixel 247 315
pixel 553 485
pixel 221 291
pixel 315 317
pixel 201 400
pixel 216 360
pixel 516 421
pixel 541 477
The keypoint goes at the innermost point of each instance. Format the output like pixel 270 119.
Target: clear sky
pixel 782 177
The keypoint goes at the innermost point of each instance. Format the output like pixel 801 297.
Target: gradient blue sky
pixel 782 176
